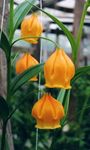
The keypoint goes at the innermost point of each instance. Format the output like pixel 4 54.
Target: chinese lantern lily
pixel 25 62
pixel 31 26
pixel 59 70
pixel 48 112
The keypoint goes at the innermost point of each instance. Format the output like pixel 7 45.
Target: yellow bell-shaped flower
pixel 48 112
pixel 59 70
pixel 25 62
pixel 31 26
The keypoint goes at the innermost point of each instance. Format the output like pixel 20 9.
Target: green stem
pixel 80 121
pixel 11 20
pixel 3 136
pixel 7 98
pixel 82 111
pixel 8 77
pixel 26 37
pixel 80 29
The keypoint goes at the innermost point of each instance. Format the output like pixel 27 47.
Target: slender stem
pixel 7 98
pixel 26 37
pixel 80 29
pixel 11 20
pixel 3 136
pixel 81 119
pixel 4 123
pixel 36 147
pixel 82 111
pixel 8 77
pixel 9 60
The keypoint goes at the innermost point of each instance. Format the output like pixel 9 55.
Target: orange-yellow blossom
pixel 48 112
pixel 59 70
pixel 25 62
pixel 31 26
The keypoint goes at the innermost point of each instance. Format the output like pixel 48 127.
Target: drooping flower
pixel 25 62
pixel 31 26
pixel 48 112
pixel 59 70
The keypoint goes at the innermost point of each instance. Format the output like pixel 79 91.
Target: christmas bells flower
pixel 59 70
pixel 31 26
pixel 25 62
pixel 48 112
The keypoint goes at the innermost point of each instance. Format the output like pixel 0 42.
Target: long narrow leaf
pixel 65 30
pixel 61 95
pixel 20 12
pixel 66 106
pixel 25 76
pixel 66 102
pixel 4 109
pixel 5 45
pixel 67 33
pixel 83 69
pixel 79 72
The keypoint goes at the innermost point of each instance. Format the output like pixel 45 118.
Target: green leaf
pixel 5 45
pixel 66 105
pixel 25 76
pixel 66 101
pixel 88 3
pixel 4 110
pixel 79 72
pixel 61 95
pixel 83 70
pixel 20 12
pixel 14 59
pixel 24 99
pixel 65 30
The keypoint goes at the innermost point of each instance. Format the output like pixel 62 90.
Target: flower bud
pixel 31 26
pixel 25 62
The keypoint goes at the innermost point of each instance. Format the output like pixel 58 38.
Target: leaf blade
pixel 67 33
pixel 61 95
pixel 20 12
pixel 79 72
pixel 5 45
pixel 66 106
pixel 66 103
pixel 25 76
pixel 4 109
pixel 65 30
